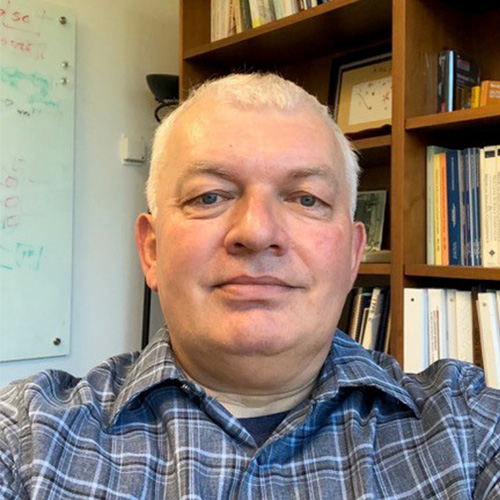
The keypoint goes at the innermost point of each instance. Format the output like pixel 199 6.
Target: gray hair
pixel 251 91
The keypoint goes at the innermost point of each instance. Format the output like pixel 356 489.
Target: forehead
pixel 254 141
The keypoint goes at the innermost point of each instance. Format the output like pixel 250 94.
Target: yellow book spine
pixel 437 211
pixel 476 92
pixel 443 196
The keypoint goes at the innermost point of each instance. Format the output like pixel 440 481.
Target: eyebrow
pixel 322 171
pixel 207 168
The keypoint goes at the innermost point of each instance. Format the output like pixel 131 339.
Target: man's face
pixel 252 250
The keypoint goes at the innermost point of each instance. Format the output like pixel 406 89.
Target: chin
pixel 266 340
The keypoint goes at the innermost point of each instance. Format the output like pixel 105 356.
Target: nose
pixel 256 225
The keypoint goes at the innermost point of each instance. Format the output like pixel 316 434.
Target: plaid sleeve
pixel 484 403
pixel 11 487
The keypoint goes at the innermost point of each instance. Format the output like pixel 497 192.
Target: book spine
pixel 437 211
pixel 437 324
pixel 443 86
pixel 475 96
pixel 466 76
pixel 487 186
pixel 451 322
pixel 476 221
pixel 373 318
pixel 415 330
pixel 496 206
pixel 454 225
pixel 443 200
pixel 467 208
pixel 246 16
pixel 464 341
pixel 431 151
pixel 483 94
pixel 384 322
pixel 489 329
pixel 462 207
pixel 449 80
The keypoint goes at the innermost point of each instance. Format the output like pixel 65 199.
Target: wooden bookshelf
pixel 304 46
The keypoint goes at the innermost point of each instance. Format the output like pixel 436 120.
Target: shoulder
pixel 56 391
pixel 446 378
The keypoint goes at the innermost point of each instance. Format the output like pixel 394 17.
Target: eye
pixel 209 198
pixel 308 200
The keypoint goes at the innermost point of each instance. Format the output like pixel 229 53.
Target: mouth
pixel 255 281
pixel 255 289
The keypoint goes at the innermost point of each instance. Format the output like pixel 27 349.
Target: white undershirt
pixel 249 406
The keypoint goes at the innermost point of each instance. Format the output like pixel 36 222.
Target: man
pixel 251 393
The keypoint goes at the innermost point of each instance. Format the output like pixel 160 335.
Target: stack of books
pixel 366 317
pixel 458 74
pixel 229 17
pixel 463 206
pixel 459 83
pixel 439 324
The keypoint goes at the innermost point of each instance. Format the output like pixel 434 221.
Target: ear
pixel 145 239
pixel 358 243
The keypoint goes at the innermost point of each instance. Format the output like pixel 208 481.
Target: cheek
pixel 332 250
pixel 183 250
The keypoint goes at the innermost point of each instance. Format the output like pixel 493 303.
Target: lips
pixel 254 288
pixel 258 280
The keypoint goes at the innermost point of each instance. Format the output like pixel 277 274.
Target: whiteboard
pixel 37 94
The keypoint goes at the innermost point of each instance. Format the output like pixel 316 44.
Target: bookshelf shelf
pixel 300 36
pixel 456 120
pixel 376 269
pixel 453 272
pixel 380 141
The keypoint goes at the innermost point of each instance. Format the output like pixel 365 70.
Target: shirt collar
pixel 348 366
pixel 155 365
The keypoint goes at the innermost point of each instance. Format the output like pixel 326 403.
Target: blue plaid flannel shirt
pixel 136 428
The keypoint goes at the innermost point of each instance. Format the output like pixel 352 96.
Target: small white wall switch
pixel 132 151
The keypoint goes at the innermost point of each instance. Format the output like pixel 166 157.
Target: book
pixel 489 199
pixel 489 93
pixel 344 320
pixel 436 194
pixel 475 211
pixel 443 209
pixel 457 75
pixel 467 208
pixel 262 12
pixel 415 330
pixel 466 77
pixel 361 300
pixel 371 329
pixel 475 96
pixel 246 16
pixel 384 326
pixel 431 152
pixel 451 322
pixel 438 335
pixel 464 326
pixel 489 329
pixel 453 208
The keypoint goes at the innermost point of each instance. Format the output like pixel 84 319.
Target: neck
pixel 258 405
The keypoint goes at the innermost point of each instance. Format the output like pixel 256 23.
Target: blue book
pixel 454 222
pixel 476 214
pixel 467 226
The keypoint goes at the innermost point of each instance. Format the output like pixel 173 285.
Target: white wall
pixel 118 43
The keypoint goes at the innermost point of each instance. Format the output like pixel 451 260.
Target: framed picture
pixel 370 210
pixel 363 98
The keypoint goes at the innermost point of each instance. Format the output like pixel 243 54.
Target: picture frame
pixel 370 210
pixel 363 94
